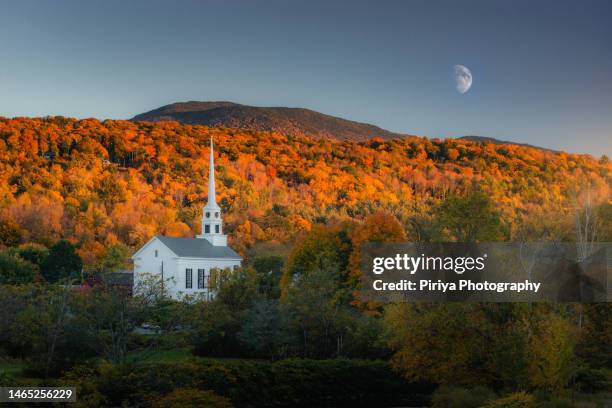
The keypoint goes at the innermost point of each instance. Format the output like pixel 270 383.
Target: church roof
pixel 197 248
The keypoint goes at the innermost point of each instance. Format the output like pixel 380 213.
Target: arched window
pixel 216 215
pixel 207 214
pixel 156 253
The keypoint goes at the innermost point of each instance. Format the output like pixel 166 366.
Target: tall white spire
pixel 212 221
pixel 212 193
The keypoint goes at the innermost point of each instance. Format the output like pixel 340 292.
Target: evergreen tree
pixel 62 263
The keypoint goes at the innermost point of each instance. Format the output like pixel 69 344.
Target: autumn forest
pixel 97 183
pixel 288 328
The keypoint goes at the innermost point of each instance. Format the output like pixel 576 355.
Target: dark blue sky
pixel 542 69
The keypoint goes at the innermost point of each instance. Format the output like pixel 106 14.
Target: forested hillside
pixel 289 121
pixel 101 183
pixel 299 209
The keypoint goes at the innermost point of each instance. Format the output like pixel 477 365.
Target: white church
pixel 184 264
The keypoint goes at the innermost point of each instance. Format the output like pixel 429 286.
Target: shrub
pixel 191 398
pixel 6 380
pixel 556 403
pixel 137 341
pixel 591 380
pixel 516 400
pixel 447 396
pixel 298 383
pixel 84 378
pixel 16 270
pixel 132 384
pixel 34 253
pixel 340 383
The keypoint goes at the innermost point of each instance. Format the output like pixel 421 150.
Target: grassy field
pixel 165 356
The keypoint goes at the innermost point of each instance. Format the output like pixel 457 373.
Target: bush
pixel 14 270
pixel 6 380
pixel 447 396
pixel 164 341
pixel 215 332
pixel 342 383
pixel 556 403
pixel 133 384
pixel 191 398
pixel 34 253
pixel 84 378
pixel 137 341
pixel 516 400
pixel 299 383
pixel 591 380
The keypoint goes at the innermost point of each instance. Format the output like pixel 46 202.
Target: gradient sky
pixel 542 69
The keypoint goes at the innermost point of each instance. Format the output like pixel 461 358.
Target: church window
pixel 207 214
pixel 200 278
pixel 216 228
pixel 207 229
pixel 216 215
pixel 188 278
pixel 156 253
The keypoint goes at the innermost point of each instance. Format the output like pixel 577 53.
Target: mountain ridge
pixel 291 121
pixel 286 120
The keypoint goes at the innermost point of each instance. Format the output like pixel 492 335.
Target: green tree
pixel 62 263
pixel 509 330
pixel 316 308
pixel 237 289
pixel 217 322
pixel 604 220
pixel 469 218
pixel 596 335
pixel 169 314
pixel 269 270
pixel 363 336
pixel 15 270
pixel 324 248
pixel 34 253
pixel 215 330
pixel 13 300
pixel 117 257
pixel 439 343
pixel 46 326
pixel 552 353
pixel 109 316
pixel 265 329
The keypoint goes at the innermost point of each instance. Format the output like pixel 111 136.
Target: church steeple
pixel 212 222
pixel 212 192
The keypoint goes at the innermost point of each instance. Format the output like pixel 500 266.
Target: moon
pixel 463 78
